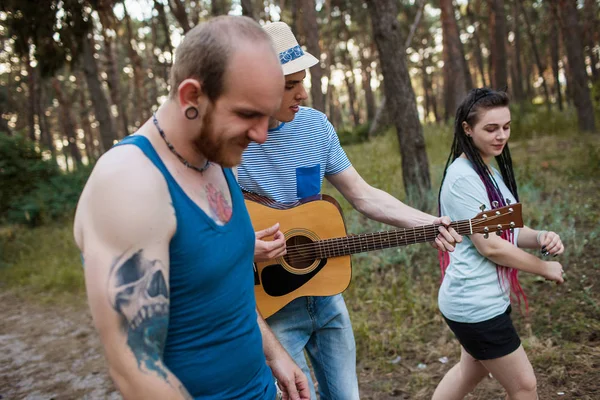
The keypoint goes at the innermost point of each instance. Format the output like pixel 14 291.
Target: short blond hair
pixel 205 52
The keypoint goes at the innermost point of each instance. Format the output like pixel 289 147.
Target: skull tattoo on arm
pixel 138 291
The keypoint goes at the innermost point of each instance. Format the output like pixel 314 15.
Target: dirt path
pixel 53 352
pixel 50 353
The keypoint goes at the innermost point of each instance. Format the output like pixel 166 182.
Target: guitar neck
pixel 344 246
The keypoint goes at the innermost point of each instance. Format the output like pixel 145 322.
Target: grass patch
pixel 41 263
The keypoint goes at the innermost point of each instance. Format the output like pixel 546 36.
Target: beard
pixel 214 147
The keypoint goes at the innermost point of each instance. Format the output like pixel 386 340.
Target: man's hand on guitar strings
pixel 269 249
pixel 448 237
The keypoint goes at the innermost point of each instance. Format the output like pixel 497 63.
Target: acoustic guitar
pixel 318 261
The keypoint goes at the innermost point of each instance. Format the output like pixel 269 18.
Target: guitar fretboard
pixel 343 246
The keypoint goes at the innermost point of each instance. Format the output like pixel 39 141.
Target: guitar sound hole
pixel 300 252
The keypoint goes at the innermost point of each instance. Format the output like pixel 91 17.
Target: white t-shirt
pixel 471 291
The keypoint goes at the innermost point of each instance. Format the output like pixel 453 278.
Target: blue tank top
pixel 214 345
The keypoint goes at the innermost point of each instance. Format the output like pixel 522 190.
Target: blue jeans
pixel 321 325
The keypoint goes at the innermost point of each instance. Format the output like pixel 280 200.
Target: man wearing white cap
pixel 302 148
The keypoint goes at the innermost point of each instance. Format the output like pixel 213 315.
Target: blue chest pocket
pixel 308 181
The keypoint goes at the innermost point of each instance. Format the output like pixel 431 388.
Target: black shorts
pixel 489 339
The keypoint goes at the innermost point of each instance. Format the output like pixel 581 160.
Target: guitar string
pixel 328 248
pixel 369 238
pixel 406 231
pixel 322 246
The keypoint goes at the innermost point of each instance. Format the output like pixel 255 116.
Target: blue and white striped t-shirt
pixel 293 161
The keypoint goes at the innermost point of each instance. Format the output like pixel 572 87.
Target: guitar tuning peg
pixel 482 207
pixel 512 230
pixel 486 235
pixel 499 233
pixel 508 202
pixel 494 204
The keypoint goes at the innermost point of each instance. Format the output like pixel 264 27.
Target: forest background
pixel 78 75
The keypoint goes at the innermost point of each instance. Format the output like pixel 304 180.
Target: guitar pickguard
pixel 276 281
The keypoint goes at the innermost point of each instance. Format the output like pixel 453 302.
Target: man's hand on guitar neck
pixel 383 207
pixel 269 249
pixel 447 239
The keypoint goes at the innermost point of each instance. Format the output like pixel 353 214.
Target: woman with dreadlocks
pixel 479 276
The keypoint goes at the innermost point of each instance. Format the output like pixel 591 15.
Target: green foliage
pixel 356 135
pixel 50 200
pixel 595 93
pixel 40 22
pixel 43 261
pixel 35 191
pixel 21 168
pixel 531 121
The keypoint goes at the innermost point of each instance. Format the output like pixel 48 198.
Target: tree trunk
pixel 86 124
pixel 381 118
pixel 349 79
pixel 415 24
pixel 334 108
pixel 527 75
pixel 31 96
pixel 157 87
pixel 45 132
pixel 581 91
pixel 517 77
pixel 4 128
pixel 554 56
pixel 498 48
pixel 178 10
pixel 477 48
pixel 67 121
pixel 139 86
pixel 330 40
pixel 248 9
pixel 435 100
pixel 456 71
pixel 99 101
pixel 590 31
pixel 107 20
pixel 366 86
pixel 220 7
pixel 165 44
pixel 162 21
pixel 427 90
pixel 311 31
pixel 402 105
pixel 492 47
pixel 467 71
pixel 536 54
pixel 195 9
pixel 569 80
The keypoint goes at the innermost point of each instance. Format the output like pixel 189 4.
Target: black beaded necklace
pixel 170 146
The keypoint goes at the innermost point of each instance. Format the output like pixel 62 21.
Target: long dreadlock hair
pixel 469 112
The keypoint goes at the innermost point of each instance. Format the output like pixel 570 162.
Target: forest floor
pixel 53 352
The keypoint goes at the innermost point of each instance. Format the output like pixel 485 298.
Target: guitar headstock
pixel 498 219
